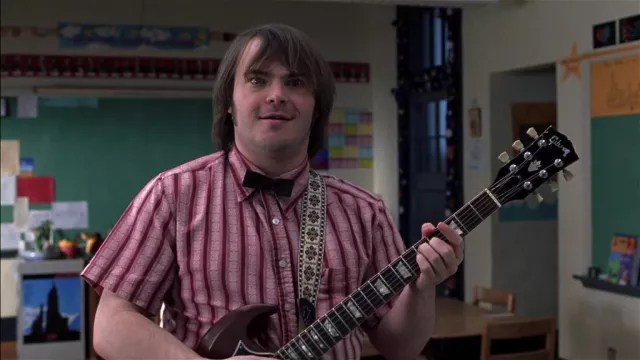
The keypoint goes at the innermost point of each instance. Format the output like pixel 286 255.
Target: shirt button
pixel 288 307
pixel 275 221
pixel 283 263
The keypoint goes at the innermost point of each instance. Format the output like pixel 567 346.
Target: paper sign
pixel 28 106
pixel 477 156
pixel 9 157
pixel 37 217
pixel 21 214
pixel 615 87
pixel 39 189
pixel 8 190
pixel 9 237
pixel 70 215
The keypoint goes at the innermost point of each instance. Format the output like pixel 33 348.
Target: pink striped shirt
pixel 198 241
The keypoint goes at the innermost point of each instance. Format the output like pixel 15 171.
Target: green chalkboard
pixel 615 182
pixel 104 152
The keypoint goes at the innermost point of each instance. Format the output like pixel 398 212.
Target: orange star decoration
pixel 572 64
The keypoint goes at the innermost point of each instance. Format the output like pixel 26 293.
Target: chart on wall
pixel 349 141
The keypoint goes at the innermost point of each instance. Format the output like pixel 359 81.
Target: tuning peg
pixel 504 157
pixel 538 197
pixel 568 175
pixel 517 145
pixel 554 186
pixel 532 133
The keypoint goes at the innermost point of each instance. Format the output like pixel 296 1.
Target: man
pixel 202 242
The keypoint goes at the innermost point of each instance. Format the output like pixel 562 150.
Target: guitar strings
pixel 396 281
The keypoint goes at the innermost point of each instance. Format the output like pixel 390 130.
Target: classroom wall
pixel 369 39
pixel 501 38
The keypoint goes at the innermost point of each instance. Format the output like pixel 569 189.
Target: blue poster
pixel 75 36
pixel 51 308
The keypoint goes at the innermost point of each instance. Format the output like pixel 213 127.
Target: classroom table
pixel 456 319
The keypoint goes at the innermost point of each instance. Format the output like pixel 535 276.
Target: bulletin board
pixel 615 135
pixel 105 150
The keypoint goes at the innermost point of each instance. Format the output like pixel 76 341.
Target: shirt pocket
pixel 338 283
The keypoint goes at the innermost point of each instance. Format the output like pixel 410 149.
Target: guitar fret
pixel 330 328
pixel 337 321
pixel 392 279
pixel 323 333
pixel 312 349
pixel 346 316
pixel 365 305
pixel 318 339
pixel 377 300
pixel 292 351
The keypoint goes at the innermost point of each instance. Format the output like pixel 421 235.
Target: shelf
pixel 603 285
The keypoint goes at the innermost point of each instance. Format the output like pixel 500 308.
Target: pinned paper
pixel 37 217
pixel 39 189
pixel 21 214
pixel 8 190
pixel 9 237
pixel 27 166
pixel 70 215
pixel 9 157
pixel 28 106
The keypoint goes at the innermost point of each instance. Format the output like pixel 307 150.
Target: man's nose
pixel 277 93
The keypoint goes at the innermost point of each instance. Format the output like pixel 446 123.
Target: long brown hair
pixel 294 50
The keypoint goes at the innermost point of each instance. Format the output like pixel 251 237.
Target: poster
pixel 75 36
pixel 615 87
pixel 51 308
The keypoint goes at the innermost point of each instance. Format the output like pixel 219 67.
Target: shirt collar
pixel 239 164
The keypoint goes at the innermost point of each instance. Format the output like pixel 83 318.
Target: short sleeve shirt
pixel 199 242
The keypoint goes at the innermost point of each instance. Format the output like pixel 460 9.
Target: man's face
pixel 272 107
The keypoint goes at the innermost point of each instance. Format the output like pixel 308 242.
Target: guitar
pixel 242 331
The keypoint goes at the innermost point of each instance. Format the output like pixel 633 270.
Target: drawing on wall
pixel 349 141
pixel 51 308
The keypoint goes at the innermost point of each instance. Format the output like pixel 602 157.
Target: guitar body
pixel 240 332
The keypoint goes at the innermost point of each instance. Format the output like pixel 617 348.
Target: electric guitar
pixel 242 331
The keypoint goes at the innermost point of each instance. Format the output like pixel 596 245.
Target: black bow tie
pixel 281 187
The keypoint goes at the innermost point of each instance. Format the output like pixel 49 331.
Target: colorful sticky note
pixel 352 117
pixel 336 141
pixel 336 152
pixel 366 117
pixel 365 152
pixel 351 151
pixel 351 129
pixel 366 163
pixel 365 129
pixel 38 189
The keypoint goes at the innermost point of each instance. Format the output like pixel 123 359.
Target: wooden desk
pixel 455 319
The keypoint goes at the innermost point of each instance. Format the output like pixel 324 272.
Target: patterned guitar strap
pixel 310 257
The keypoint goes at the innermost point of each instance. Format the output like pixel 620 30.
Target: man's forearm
pixel 129 335
pixel 405 330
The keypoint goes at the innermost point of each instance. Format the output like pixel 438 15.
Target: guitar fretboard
pixel 353 311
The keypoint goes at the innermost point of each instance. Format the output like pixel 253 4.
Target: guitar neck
pixel 337 323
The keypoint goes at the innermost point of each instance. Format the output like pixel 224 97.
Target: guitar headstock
pixel 548 154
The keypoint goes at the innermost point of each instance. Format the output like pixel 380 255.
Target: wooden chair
pixel 494 297
pixel 515 329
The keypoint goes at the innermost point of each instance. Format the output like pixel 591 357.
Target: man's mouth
pixel 275 116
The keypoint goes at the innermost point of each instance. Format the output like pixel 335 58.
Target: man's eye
pixel 296 82
pixel 256 81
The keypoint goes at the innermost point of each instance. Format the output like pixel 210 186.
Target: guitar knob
pixel 532 133
pixel 554 186
pixel 568 175
pixel 504 157
pixel 517 145
pixel 538 197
